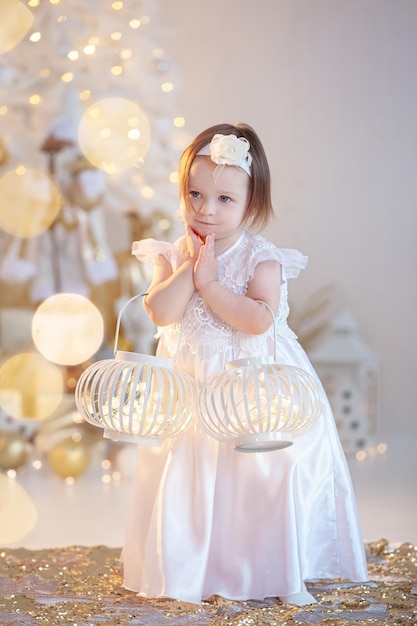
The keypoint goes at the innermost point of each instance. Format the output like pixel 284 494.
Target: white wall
pixel 330 86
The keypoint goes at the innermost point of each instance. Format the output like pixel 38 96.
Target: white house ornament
pixel 349 371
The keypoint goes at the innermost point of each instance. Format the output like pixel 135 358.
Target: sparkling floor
pixel 83 585
pixel 91 512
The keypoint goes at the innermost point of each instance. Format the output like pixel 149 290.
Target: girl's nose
pixel 207 208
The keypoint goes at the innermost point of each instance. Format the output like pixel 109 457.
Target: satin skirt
pixel 205 519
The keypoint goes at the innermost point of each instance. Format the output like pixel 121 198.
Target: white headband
pixel 228 150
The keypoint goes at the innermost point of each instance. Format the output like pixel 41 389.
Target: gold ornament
pixel 14 450
pixel 69 458
pixel 4 154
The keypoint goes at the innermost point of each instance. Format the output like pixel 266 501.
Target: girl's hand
pixel 194 243
pixel 205 268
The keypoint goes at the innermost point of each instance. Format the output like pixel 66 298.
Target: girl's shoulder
pixel 260 249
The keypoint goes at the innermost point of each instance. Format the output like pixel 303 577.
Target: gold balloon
pixel 31 202
pixel 14 450
pixel 67 328
pixel 30 386
pixel 69 459
pixel 15 21
pixel 17 511
pixel 114 134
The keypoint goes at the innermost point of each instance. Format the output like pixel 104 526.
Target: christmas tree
pixel 89 143
pixel 80 58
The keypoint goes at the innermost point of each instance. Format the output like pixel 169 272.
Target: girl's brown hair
pixel 259 209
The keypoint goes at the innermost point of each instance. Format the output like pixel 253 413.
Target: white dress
pixel 206 519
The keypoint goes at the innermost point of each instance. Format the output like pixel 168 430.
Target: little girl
pixel 206 519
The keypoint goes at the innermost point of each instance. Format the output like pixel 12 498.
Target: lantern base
pixel 263 442
pixel 115 435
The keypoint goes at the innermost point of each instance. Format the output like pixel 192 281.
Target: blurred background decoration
pixel 349 371
pixel 90 136
pixel 347 367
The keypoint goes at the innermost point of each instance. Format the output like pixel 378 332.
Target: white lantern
pixel 349 371
pixel 260 404
pixel 135 397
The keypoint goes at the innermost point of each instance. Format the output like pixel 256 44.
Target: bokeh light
pixel 67 328
pixel 30 386
pixel 114 134
pixel 30 202
pixel 15 21
pixel 17 511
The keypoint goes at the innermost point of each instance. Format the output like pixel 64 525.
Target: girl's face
pixel 216 205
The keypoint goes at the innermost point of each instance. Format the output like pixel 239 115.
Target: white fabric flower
pixel 230 150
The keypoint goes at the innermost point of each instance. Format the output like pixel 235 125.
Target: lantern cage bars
pixel 135 397
pixel 260 403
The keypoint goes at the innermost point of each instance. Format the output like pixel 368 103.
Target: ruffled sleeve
pixel 292 262
pixel 149 249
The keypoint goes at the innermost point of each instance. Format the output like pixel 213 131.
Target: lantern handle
pixel 275 334
pixel 119 320
pixel 275 327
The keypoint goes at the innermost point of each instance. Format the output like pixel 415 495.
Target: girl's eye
pixel 224 199
pixel 195 194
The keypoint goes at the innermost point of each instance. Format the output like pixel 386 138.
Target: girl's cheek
pixel 185 207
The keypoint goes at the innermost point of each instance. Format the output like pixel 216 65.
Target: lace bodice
pixel 203 332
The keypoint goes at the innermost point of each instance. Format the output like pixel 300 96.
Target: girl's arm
pixel 244 313
pixel 171 290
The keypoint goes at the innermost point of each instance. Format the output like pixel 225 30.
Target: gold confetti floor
pixel 80 586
